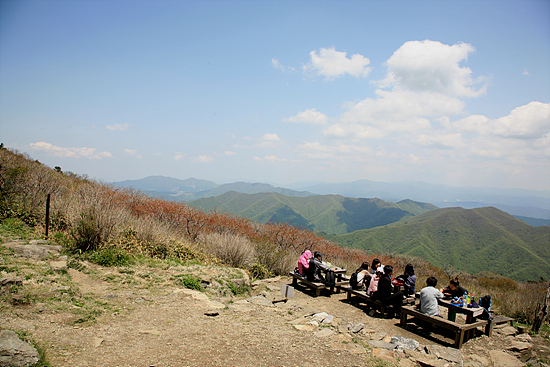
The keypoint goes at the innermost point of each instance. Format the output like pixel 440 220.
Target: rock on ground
pixel 14 352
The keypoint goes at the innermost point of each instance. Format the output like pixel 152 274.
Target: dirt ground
pixel 169 325
pixel 170 328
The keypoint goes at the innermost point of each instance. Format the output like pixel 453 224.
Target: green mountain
pixel 321 213
pixel 473 240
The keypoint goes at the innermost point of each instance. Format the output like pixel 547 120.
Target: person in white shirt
pixel 428 298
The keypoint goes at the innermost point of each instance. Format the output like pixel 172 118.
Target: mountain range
pixel 333 214
pixel 531 206
pixel 473 240
pixel 477 240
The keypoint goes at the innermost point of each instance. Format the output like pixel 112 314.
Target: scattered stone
pixel 403 362
pixel 260 300
pixel 372 313
pixel 501 358
pixel 314 323
pixel 432 362
pixel 385 354
pixel 518 346
pixel 379 335
pixel 305 327
pixel 328 320
pixel 402 343
pixel 344 328
pixel 506 330
pixel 474 360
pixel 211 313
pixel 526 338
pixel 319 317
pixel 414 355
pixel 97 342
pixel 62 288
pixel 446 353
pixel 358 327
pixel 14 352
pixel 381 344
pixel 522 329
pixel 323 333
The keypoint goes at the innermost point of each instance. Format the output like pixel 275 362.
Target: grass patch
pixel 26 337
pixel 110 257
pixel 190 282
pixel 15 228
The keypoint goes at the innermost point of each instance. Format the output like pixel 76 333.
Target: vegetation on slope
pixel 474 240
pixel 332 214
pixel 122 228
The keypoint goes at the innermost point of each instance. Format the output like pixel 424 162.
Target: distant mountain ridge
pixel 474 240
pixel 333 214
pixel 529 205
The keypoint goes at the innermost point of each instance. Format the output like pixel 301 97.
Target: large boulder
pixel 36 251
pixel 14 352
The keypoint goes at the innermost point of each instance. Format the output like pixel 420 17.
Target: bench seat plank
pixel 458 329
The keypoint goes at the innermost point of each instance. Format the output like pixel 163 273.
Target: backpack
pixel 330 278
pixel 353 281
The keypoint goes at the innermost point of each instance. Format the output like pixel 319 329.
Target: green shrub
pixel 191 282
pixel 260 271
pixel 111 257
pixel 238 290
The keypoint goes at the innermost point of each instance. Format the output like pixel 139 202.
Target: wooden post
pixel 47 214
pixel 541 313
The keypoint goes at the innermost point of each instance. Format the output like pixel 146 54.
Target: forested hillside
pixel 332 214
pixel 475 240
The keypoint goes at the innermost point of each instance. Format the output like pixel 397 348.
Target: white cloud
pixel 56 151
pixel 205 158
pixel 433 66
pixel 332 64
pixel 277 65
pixel 526 73
pixel 270 158
pixel 228 153
pixel 268 140
pixel 132 153
pixel 310 116
pixel 118 127
pixel 531 121
pixel 179 156
pixel 316 150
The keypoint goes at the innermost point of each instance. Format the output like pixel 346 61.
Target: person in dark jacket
pixel 454 289
pixel 409 280
pixel 316 266
pixel 385 294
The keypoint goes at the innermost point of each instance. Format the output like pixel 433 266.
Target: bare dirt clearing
pixel 143 316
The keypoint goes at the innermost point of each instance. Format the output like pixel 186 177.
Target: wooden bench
pixel 458 329
pixel 362 295
pixel 501 319
pixel 317 286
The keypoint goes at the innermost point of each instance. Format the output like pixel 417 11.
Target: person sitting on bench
pixel 428 298
pixel 384 292
pixel 454 289
pixel 303 262
pixel 315 267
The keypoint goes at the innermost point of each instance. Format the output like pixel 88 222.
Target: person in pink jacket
pixel 373 286
pixel 303 262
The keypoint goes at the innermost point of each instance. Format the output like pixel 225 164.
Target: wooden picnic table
pixel 318 286
pixel 471 313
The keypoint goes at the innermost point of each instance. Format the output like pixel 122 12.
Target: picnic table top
pixel 474 312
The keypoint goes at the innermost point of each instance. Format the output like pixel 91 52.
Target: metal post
pixel 47 214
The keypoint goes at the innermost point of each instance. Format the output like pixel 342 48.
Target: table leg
pixel 452 315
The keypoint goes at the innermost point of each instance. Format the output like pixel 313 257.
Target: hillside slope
pixel 321 213
pixel 484 239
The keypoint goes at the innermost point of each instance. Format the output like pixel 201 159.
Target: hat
pixel 380 269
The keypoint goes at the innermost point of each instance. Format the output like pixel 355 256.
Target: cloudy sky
pixel 450 92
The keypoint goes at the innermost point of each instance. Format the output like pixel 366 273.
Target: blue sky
pixel 450 92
